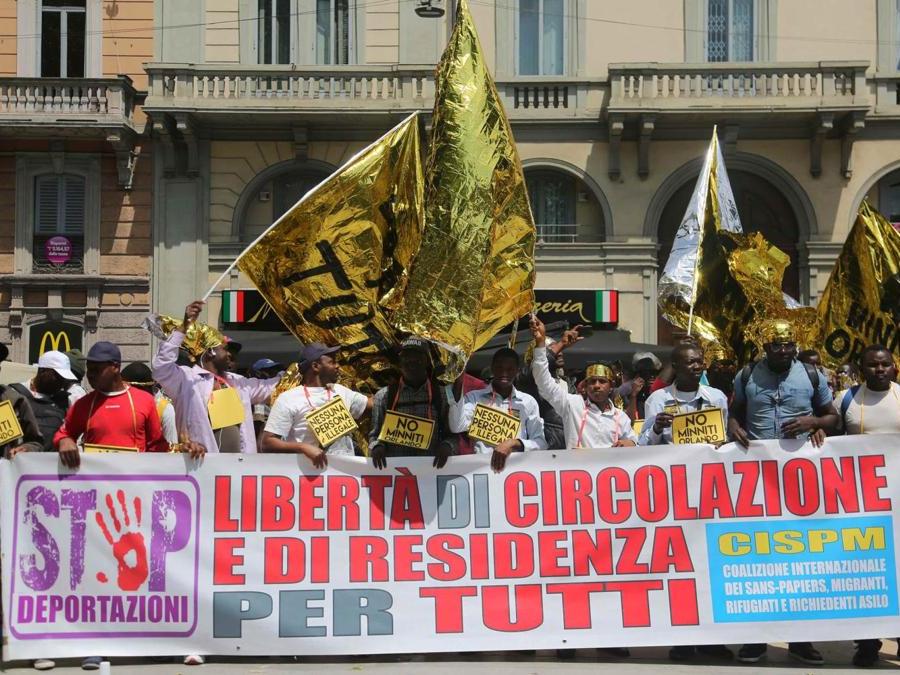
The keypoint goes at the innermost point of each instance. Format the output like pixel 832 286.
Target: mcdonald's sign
pixel 53 335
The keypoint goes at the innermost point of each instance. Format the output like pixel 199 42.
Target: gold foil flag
pixel 475 271
pixel 861 303
pixel 337 261
pixel 199 338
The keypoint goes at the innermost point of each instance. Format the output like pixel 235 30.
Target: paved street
pixel 643 662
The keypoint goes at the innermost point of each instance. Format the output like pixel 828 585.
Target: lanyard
pixel 309 400
pixel 508 405
pixel 97 395
pixel 400 388
pixel 862 406
pixel 584 417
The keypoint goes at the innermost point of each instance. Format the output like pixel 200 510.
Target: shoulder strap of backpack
pixel 848 397
pixel 813 373
pixel 745 375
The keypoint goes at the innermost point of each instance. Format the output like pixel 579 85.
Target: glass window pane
pixel 717 30
pixel 264 19
pixel 50 44
pixel 552 38
pixel 75 44
pixel 742 31
pixel 342 31
pixel 529 22
pixel 283 33
pixel 323 31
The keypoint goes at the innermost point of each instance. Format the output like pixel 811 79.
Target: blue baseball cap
pixel 104 352
pixel 313 352
pixel 265 364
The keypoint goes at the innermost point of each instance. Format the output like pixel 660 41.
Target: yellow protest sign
pixel 96 447
pixel 225 408
pixel 406 430
pixel 699 426
pixel 330 421
pixel 10 429
pixel 492 426
pixel 671 409
pixel 638 426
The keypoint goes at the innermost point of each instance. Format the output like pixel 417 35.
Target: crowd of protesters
pixel 168 406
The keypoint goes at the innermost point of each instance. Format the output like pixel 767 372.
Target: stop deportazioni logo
pixel 104 555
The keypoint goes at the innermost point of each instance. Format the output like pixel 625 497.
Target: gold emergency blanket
pixel 475 271
pixel 732 279
pixel 199 337
pixel 861 303
pixel 335 263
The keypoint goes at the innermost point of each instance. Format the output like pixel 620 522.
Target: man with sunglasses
pixel 47 393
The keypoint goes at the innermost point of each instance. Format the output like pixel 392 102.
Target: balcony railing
pixel 799 85
pixel 557 234
pixel 102 100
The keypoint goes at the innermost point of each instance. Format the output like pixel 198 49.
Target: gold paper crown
pixel 599 370
pixel 777 330
pixel 199 338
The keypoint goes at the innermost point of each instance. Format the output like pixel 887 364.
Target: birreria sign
pixel 141 555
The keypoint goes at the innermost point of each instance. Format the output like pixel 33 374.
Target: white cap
pixel 59 362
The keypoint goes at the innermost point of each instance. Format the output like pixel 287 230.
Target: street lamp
pixel 430 9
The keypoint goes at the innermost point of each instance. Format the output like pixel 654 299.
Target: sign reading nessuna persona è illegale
pixel 492 426
pixel 331 421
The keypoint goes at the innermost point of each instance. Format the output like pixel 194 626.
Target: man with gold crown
pixel 212 406
pixel 780 397
pixel 591 421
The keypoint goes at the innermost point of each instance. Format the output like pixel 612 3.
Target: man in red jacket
pixel 113 414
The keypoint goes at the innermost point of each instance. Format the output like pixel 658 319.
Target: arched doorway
pixel 567 206
pixel 762 208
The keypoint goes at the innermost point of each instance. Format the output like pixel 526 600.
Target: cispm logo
pixel 104 555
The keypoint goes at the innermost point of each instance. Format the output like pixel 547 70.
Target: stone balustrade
pixel 103 99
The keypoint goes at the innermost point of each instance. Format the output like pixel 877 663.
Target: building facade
pixel 76 174
pixel 252 102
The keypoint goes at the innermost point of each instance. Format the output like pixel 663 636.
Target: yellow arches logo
pixel 57 342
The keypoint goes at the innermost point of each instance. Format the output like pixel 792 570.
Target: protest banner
pixel 493 426
pixel 407 430
pixel 154 554
pixel 699 426
pixel 10 429
pixel 331 421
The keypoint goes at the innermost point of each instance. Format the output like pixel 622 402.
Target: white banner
pixel 263 555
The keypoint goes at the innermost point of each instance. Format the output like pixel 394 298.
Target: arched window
pixel 564 208
pixel 275 197
pixel 889 197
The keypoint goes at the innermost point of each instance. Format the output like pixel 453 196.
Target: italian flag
pixel 233 306
pixel 608 306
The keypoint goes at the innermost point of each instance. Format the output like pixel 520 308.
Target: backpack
pixel 845 402
pixel 811 371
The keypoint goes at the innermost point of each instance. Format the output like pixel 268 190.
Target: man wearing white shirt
pixel 287 431
pixel 684 395
pixel 591 421
pixel 503 396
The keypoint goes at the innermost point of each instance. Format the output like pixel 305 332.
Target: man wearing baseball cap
pixel 417 394
pixel 114 414
pixel 31 439
pixel 263 368
pixel 47 393
pixel 287 430
pixel 199 391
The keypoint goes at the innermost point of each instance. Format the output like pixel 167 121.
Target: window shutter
pixel 46 204
pixel 73 214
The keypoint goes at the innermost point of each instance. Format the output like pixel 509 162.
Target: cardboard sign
pixel 699 426
pixel 330 421
pixel 407 430
pixel 96 447
pixel 10 429
pixel 225 408
pixel 492 426
pixel 638 426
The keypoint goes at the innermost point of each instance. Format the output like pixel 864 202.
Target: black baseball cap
pixel 313 352
pixel 104 352
pixel 415 344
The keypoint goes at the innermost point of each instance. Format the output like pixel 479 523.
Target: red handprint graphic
pixel 130 551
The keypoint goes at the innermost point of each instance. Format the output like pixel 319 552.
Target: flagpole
pixel 301 200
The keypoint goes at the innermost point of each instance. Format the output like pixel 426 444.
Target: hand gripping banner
pixel 146 555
